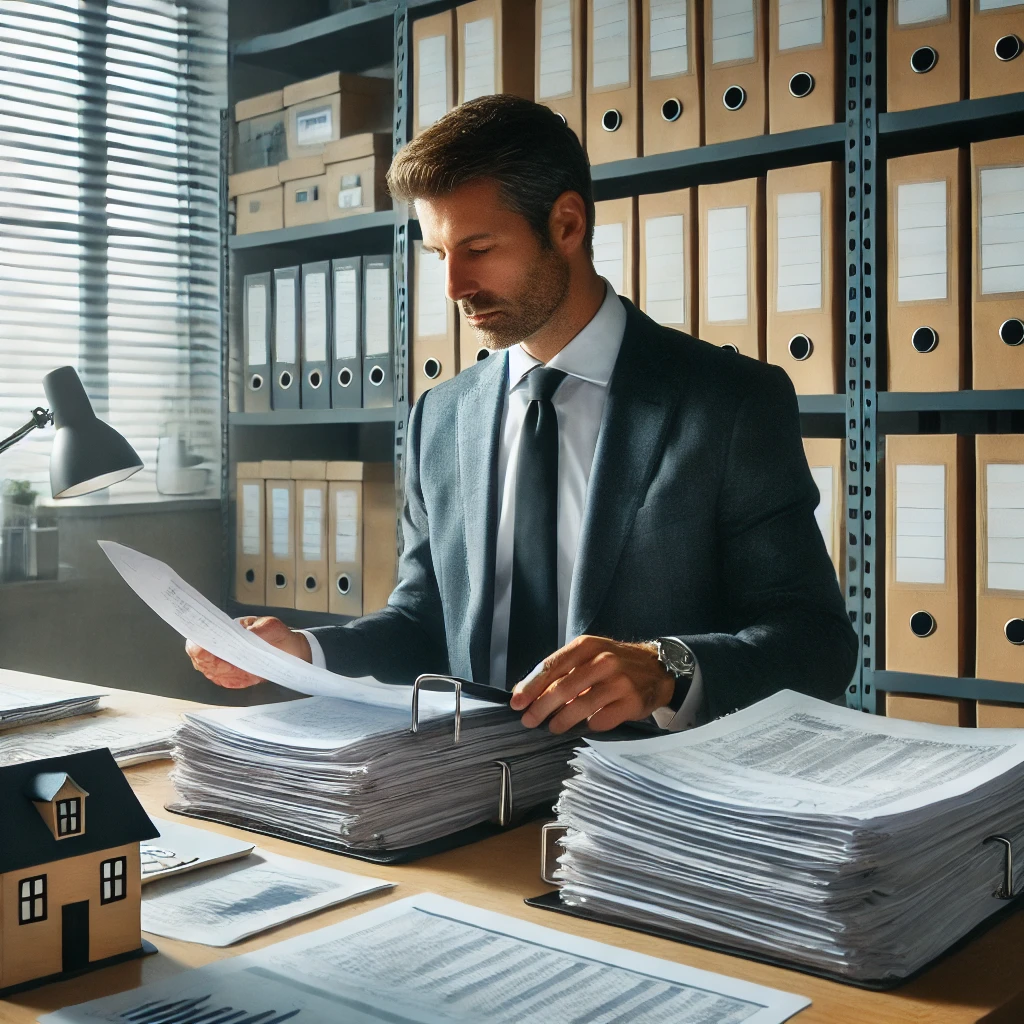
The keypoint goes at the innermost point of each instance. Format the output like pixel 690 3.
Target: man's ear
pixel 567 223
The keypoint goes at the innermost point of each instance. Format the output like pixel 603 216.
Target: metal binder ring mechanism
pixel 551 834
pixel 428 678
pixel 1005 891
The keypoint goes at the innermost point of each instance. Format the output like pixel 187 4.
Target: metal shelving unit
pixel 366 229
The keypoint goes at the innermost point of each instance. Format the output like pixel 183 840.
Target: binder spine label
pixel 346 529
pixel 432 79
pixel 921 524
pixel 921 242
pixel 251 519
pixel 556 56
pixel 280 533
pixel 480 59
pixel 256 307
pixel 609 253
pixel 801 23
pixel 799 256
pixel 314 300
pixel 665 288
pixel 1004 485
pixel 346 325
pixel 918 12
pixel 285 320
pixel 732 31
pixel 431 302
pixel 1002 230
pixel 727 264
pixel 378 311
pixel 670 54
pixel 610 39
pixel 312 517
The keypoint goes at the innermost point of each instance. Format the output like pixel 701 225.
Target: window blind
pixel 110 242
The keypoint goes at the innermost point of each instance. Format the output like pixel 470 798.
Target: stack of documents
pixel 346 773
pixel 798 831
pixel 23 705
pixel 428 959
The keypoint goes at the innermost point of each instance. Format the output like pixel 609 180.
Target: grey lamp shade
pixel 87 454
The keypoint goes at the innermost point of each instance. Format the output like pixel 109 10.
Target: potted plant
pixel 19 502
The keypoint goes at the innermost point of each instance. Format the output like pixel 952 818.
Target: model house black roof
pixel 113 814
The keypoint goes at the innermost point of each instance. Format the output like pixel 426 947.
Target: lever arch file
pixel 257 327
pixel 378 334
pixel 287 332
pixel 316 335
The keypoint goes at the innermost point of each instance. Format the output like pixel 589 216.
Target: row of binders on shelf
pixel 319 336
pixel 942 51
pixel 316 536
pixel 956 268
pixel 638 77
pixel 954 555
pixel 311 152
pixel 959 711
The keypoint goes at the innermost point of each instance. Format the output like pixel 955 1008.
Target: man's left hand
pixel 593 679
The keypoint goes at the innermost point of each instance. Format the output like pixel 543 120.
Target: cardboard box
pixel 260 142
pixel 300 167
pixel 352 147
pixel 335 81
pixel 357 186
pixel 1000 716
pixel 260 211
pixel 246 182
pixel 358 104
pixel 255 106
pixel 305 201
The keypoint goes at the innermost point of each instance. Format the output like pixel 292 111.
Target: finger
pixel 588 703
pixel 246 620
pixel 612 715
pixel 559 664
pixel 562 690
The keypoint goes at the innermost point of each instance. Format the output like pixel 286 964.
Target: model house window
pixel 32 899
pixel 69 817
pixel 112 876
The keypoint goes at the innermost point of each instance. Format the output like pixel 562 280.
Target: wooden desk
pixel 498 874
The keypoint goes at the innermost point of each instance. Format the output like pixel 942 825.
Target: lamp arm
pixel 40 418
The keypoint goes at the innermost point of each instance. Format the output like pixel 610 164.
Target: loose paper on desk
pixel 229 902
pixel 427 959
pixel 180 848
pixel 26 698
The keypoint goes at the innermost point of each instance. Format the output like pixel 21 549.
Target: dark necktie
pixel 533 617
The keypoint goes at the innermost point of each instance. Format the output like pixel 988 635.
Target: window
pixel 110 230
pixel 32 899
pixel 69 817
pixel 112 876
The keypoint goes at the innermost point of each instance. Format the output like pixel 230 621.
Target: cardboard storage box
pixel 260 211
pixel 305 201
pixel 324 109
pixel 356 168
pixel 260 137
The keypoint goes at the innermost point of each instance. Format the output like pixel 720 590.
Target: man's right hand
pixel 274 631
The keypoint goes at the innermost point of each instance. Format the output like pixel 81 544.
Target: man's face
pixel 507 283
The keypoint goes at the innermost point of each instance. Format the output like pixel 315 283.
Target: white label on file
pixel 314 328
pixel 610 40
pixel 916 12
pixel 727 264
pixel 609 253
pixel 280 526
pixel 284 320
pixel 1002 230
pixel 431 302
pixel 432 79
pixel 377 298
pixel 346 323
pixel 313 126
pixel 921 247
pixel 823 513
pixel 251 519
pixel 556 56
pixel 921 524
pixel 480 59
pixel 256 317
pixel 670 53
pixel 665 291
pixel 801 23
pixel 732 30
pixel 312 518
pixel 799 258
pixel 346 525
pixel 1004 486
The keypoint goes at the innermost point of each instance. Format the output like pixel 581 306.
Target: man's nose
pixel 460 283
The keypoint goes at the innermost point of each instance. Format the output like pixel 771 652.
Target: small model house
pixel 70 879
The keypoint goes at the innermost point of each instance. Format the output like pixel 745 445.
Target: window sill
pixel 132 508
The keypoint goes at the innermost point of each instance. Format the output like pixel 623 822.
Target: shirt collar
pixel 590 355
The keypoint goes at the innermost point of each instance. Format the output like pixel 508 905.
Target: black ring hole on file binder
pixel 801 85
pixel 1014 631
pixel 925 339
pixel 672 109
pixel 250 575
pixel 431 369
pixel 1011 332
pixel 344 584
pixel 730 348
pixel 315 379
pixel 800 347
pixel 310 583
pixel 734 97
pixel 377 376
pixel 285 380
pixel 1008 47
pixel 922 624
pixel 345 377
pixel 923 59
pixel 482 354
pixel 611 120
pixel 279 580
pixel 255 382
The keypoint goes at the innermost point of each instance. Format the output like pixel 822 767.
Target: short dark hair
pixel 525 147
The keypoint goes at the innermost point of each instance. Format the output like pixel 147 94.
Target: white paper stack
pixel 344 773
pixel 24 705
pixel 799 831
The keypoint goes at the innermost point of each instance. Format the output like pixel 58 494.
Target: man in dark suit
pixel 613 518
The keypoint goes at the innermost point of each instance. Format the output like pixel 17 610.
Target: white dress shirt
pixel 588 361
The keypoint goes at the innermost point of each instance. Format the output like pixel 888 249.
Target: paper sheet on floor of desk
pixel 182 607
pixel 428 959
pixel 225 903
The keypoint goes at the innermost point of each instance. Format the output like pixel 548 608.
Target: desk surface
pixel 498 874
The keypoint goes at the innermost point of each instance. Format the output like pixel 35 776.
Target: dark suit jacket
pixel 699 524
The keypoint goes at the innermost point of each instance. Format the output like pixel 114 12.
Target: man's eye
pixel 479 252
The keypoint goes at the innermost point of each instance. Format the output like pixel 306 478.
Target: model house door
pixel 75 935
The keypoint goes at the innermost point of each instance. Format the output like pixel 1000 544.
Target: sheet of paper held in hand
pixel 195 618
pixel 426 959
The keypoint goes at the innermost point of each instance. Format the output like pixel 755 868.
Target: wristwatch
pixel 680 663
